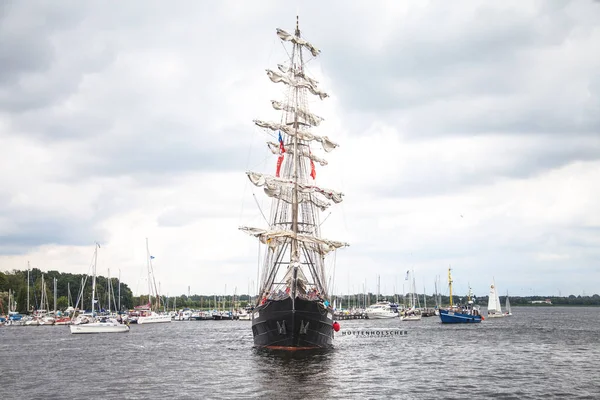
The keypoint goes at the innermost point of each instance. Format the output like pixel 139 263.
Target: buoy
pixel 336 326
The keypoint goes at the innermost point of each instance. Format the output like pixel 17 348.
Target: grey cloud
pixel 430 177
pixel 36 229
pixel 423 67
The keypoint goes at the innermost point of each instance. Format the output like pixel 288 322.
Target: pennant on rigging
pixel 313 173
pixel 280 158
pixel 279 161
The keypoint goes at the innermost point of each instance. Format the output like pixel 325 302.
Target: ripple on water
pixel 538 353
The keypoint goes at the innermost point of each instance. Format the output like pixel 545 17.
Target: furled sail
pixel 283 35
pixel 298 82
pixel 272 183
pixel 276 237
pixel 327 144
pixel 274 147
pixel 285 69
pixel 283 193
pixel 310 118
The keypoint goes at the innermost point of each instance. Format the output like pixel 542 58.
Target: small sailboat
pixel 100 324
pixel 413 313
pixel 146 314
pixel 508 311
pixel 460 315
pixel 494 307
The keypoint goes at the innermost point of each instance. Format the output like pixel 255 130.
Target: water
pixel 545 352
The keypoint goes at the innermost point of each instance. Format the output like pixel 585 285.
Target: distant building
pixel 547 301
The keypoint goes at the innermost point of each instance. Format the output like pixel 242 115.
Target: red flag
pixel 279 161
pixel 313 173
pixel 280 158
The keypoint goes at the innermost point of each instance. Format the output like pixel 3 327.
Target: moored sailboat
pixel 293 310
pixel 101 324
pixel 145 313
pixel 413 312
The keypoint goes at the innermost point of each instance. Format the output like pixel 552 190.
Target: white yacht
pixel 103 325
pixel 153 318
pixel 381 310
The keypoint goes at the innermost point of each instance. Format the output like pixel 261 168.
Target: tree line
pixel 68 291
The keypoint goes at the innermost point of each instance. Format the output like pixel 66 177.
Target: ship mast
pixel 294 257
pixel 450 285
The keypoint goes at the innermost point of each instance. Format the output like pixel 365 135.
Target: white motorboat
pixel 380 310
pixel 153 318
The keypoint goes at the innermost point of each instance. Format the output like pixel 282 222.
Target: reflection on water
pixel 306 373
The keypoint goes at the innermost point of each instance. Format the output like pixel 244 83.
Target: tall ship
pixel 293 309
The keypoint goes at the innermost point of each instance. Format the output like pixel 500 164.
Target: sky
pixel 469 137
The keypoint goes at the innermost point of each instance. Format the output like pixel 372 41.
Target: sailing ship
pixel 293 310
pixel 459 315
pixel 98 324
pixel 494 308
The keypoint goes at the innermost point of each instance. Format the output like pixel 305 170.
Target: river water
pixel 540 352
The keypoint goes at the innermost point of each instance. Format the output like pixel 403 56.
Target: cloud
pixel 131 122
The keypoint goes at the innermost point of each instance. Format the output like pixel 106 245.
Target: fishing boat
pixel 98 324
pixel 460 315
pixel 508 311
pixel 293 309
pixel 494 309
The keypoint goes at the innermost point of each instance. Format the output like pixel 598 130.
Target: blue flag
pixel 281 147
pixel 152 257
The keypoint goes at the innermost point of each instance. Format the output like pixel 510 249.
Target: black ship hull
pixel 287 325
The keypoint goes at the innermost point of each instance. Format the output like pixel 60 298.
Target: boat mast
pixel 28 280
pixel 119 289
pixel 294 256
pixel 109 290
pixel 54 296
pixel 42 294
pixel 148 266
pixel 450 285
pixel 94 277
